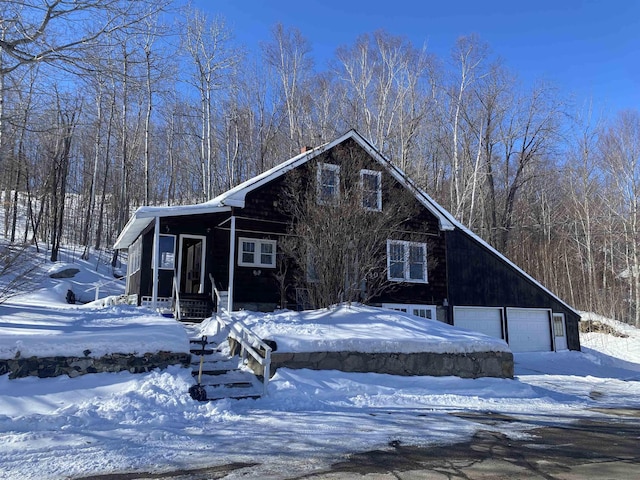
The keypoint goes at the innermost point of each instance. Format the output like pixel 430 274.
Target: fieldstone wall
pixel 465 365
pixel 45 367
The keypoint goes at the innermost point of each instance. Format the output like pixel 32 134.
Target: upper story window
pixel 166 252
pixel 328 183
pixel 406 261
pixel 255 252
pixel 371 185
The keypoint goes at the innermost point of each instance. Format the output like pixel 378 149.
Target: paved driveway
pixel 607 448
pixel 604 448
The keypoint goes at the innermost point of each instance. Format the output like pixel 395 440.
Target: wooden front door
pixel 192 262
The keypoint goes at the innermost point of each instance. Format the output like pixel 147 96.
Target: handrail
pixel 214 291
pixel 98 285
pixel 249 342
pixel 176 294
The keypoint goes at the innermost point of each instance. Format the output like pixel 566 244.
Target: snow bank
pixel 358 328
pixel 48 332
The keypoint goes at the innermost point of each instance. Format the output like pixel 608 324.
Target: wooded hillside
pixel 107 105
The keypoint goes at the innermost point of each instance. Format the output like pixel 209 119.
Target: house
pixel 226 251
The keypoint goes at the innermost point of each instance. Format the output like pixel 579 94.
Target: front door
pixel 192 261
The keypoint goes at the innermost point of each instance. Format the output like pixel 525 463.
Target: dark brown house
pixel 224 254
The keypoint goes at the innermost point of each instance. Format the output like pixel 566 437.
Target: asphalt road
pixel 606 448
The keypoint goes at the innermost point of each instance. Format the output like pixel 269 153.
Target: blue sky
pixel 588 48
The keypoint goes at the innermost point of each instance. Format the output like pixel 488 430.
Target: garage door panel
pixel 529 330
pixel 479 319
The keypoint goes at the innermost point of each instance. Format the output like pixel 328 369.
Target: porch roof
pixel 144 216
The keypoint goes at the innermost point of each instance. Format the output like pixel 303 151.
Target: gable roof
pixel 236 197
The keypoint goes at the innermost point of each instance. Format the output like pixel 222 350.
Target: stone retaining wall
pixel 45 367
pixel 465 365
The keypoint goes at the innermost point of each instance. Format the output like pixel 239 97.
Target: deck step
pixel 223 375
pixel 211 373
pixel 202 351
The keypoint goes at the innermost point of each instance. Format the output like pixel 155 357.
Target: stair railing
pixel 176 299
pixel 215 294
pixel 249 342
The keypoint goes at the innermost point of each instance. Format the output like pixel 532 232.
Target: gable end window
pixel 406 261
pixel 255 252
pixel 371 185
pixel 328 183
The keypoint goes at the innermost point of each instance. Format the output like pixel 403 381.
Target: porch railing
pixel 250 344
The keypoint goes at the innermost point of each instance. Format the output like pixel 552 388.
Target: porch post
pixel 232 256
pixel 154 259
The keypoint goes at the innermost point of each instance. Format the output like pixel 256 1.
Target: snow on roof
pixel 237 195
pixel 144 216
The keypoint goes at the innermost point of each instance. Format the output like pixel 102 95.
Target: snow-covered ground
pixel 107 423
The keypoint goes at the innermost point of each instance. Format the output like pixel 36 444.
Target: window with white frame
pixel 135 256
pixel 328 183
pixel 424 311
pixel 256 252
pixel 558 325
pixel 166 252
pixel 406 261
pixel 371 186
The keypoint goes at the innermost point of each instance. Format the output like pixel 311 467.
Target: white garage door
pixel 529 330
pixel 487 320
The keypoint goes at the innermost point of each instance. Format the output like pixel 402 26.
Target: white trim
pixel 257 252
pixel 378 175
pixel 154 264
pixel 202 259
pixel 560 342
pixel 173 267
pixel 232 263
pixel 144 216
pixel 406 261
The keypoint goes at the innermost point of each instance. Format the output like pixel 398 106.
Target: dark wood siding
pixel 146 274
pixel 265 216
pixel 477 277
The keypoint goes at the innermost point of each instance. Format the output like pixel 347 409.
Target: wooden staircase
pixel 222 375
pixel 194 307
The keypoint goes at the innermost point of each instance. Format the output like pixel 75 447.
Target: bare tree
pixel 19 269
pixel 67 116
pixel 288 54
pixel 209 46
pixel 341 246
pixel 386 83
pixel 620 149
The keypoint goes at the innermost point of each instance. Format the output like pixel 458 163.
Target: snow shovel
pixel 197 391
